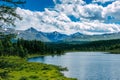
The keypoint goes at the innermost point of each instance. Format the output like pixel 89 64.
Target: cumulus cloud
pixel 103 1
pixel 92 18
pixel 84 12
pixel 112 10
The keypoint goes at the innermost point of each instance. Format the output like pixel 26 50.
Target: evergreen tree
pixel 8 12
pixel 21 52
pixel 1 48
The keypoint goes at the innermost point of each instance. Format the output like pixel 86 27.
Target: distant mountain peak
pixel 55 32
pixel 77 33
pixel 31 29
pixel 32 33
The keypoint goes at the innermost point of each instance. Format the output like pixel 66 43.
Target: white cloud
pixel 112 10
pixel 103 1
pixel 69 1
pixel 92 18
pixel 91 11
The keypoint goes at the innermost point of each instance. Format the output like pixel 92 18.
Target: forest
pixel 23 48
pixel 103 45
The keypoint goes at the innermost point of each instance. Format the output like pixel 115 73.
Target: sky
pixel 38 5
pixel 70 16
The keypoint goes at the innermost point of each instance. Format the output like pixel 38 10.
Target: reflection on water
pixel 37 59
pixel 86 65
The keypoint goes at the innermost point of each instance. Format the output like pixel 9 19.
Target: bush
pixel 23 78
pixel 33 77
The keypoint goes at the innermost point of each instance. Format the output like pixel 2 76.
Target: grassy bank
pixel 15 68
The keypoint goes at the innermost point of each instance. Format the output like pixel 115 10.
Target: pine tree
pixel 21 52
pixel 1 48
pixel 8 12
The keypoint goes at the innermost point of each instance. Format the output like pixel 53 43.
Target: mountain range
pixel 33 34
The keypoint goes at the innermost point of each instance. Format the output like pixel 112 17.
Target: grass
pixel 117 51
pixel 15 68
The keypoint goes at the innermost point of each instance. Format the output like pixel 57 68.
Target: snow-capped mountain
pixel 33 34
pixel 31 30
pixel 56 36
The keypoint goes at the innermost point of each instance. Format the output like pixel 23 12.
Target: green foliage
pixel 23 78
pixel 15 68
pixel 23 48
pixel 1 48
pixel 21 51
pixel 8 48
pixel 3 74
pixel 37 47
pixel 8 11
pixel 104 45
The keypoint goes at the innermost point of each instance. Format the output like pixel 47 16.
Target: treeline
pixel 37 47
pixel 104 45
pixel 22 47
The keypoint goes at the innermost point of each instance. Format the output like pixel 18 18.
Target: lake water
pixel 86 65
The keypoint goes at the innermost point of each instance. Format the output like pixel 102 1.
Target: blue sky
pixel 88 1
pixel 70 16
pixel 38 5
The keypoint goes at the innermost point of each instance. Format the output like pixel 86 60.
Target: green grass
pixel 115 51
pixel 15 68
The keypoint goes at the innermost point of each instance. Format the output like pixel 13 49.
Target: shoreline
pixel 16 68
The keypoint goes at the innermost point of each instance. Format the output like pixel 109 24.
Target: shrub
pixel 23 78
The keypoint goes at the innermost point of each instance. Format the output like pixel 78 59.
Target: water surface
pixel 86 65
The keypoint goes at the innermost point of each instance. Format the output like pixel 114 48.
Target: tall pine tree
pixel 8 12
pixel 1 48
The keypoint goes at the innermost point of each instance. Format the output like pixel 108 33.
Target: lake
pixel 86 65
